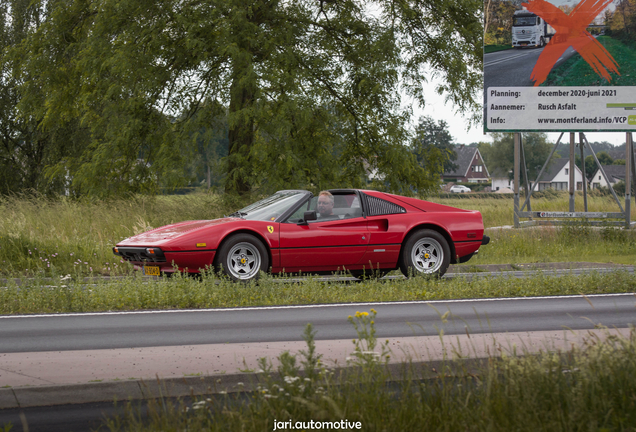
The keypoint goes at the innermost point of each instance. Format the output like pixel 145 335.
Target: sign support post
pixel 539 215
pixel 628 183
pixel 522 152
pixel 584 177
pixel 572 172
pixel 517 145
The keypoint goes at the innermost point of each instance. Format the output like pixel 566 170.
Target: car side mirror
pixel 309 216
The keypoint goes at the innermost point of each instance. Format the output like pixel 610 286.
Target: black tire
pixel 425 252
pixel 465 258
pixel 242 257
pixel 541 42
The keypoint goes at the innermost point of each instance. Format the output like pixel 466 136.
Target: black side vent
pixel 378 207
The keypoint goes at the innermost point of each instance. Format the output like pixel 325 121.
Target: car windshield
pixel 270 208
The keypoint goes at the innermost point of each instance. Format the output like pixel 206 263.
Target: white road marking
pixel 333 305
pixel 506 59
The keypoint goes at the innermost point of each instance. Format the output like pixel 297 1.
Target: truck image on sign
pixel 530 30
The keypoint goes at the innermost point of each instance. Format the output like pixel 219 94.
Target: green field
pixel 54 237
pixel 577 72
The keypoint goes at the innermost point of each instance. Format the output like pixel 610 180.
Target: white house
pixel 615 173
pixel 557 176
pixel 501 180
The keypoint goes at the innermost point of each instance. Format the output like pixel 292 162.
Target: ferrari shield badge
pixel 270 229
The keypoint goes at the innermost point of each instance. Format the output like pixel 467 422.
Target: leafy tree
pixel 25 148
pixel 590 165
pixel 500 154
pixel 498 20
pixel 434 147
pixel 208 130
pixel 604 158
pixel 309 87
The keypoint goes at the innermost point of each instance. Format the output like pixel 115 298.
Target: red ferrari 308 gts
pixel 293 231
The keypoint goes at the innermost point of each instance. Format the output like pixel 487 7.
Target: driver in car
pixel 325 205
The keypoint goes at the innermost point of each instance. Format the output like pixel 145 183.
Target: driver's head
pixel 325 203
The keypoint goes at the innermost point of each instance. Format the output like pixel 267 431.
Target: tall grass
pixel 63 236
pixel 574 243
pixel 499 212
pixel 590 388
pixel 133 293
pixel 38 234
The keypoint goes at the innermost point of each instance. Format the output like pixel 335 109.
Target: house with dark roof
pixel 557 176
pixel 470 167
pixel 615 174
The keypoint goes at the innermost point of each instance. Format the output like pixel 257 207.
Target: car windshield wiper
pixel 237 214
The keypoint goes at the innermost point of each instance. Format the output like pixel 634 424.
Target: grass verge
pixel 589 388
pixel 133 293
pixel 495 48
pixel 569 243
pixel 577 72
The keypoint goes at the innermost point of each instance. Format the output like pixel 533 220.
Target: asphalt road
pixel 286 323
pixel 162 328
pixel 513 67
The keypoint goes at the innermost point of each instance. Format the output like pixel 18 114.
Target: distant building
pixel 615 173
pixel 557 176
pixel 501 180
pixel 470 167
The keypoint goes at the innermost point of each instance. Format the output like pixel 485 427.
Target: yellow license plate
pixel 152 271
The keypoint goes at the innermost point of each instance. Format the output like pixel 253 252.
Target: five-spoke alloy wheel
pixel 242 257
pixel 425 252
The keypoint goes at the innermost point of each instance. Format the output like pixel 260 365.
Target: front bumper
pixel 140 254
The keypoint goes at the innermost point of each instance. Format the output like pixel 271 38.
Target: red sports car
pixel 360 231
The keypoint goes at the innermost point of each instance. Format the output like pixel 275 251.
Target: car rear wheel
pixel 242 257
pixel 425 252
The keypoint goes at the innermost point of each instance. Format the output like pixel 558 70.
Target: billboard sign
pixel 559 65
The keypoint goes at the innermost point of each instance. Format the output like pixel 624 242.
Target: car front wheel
pixel 242 257
pixel 425 252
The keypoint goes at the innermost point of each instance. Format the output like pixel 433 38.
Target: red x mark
pixel 570 32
